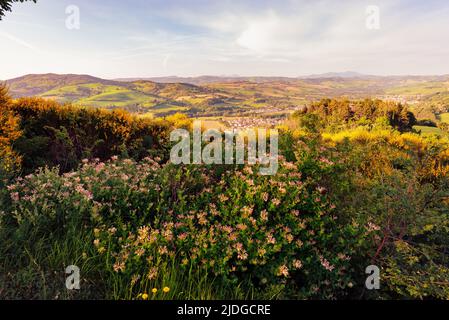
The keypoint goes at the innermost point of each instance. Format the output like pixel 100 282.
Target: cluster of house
pixel 252 122
pixel 402 99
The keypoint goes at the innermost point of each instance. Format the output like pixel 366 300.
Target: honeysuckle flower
pixel 119 266
pixel 372 227
pixel 283 271
pixel 271 239
pixel 243 255
pixel 265 196
pixel 140 252
pixel 15 196
pixel 297 264
pixel 326 264
pixel 152 273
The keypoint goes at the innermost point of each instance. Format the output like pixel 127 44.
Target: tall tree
pixel 5 5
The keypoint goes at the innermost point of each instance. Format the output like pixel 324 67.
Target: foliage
pixel 267 235
pixel 9 133
pixel 337 112
pixel 399 187
pixel 355 187
pixel 56 135
pixel 5 5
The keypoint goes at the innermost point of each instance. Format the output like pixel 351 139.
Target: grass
pixel 211 123
pixel 40 269
pixel 190 285
pixel 119 98
pixel 419 88
pixel 40 274
pixel 444 117
pixel 429 130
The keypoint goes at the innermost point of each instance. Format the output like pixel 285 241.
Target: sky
pixel 148 38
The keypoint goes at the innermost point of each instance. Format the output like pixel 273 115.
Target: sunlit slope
pixel 232 97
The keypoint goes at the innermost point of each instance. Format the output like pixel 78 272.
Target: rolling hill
pixel 137 96
pixel 233 96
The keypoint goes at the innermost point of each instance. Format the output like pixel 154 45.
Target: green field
pixel 444 117
pixel 419 88
pixel 233 97
pixel 429 130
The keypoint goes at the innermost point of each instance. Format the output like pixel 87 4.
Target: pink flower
pixel 140 252
pixel 326 161
pixel 242 255
pixel 15 196
pixel 119 266
pixel 241 227
pixel 297 264
pixel 239 246
pixel 271 239
pixel 289 165
pixel 372 227
pixel 265 196
pixel 182 236
pixel 322 190
pixel 163 250
pixel 84 192
pixel 264 215
pixel 326 264
pixel 152 273
pixel 344 257
pixel 283 271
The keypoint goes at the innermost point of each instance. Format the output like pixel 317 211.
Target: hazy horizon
pixel 317 75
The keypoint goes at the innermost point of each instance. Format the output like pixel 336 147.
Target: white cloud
pixel 18 41
pixel 240 37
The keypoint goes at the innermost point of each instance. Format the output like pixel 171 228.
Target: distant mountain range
pixel 213 95
pixel 346 74
pixel 217 79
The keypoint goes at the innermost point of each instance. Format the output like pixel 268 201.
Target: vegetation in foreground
pixel 354 188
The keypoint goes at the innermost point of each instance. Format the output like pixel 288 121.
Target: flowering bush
pixel 154 230
pixel 268 233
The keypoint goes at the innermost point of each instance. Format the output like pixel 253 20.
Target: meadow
pixel 356 186
pixel 222 96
